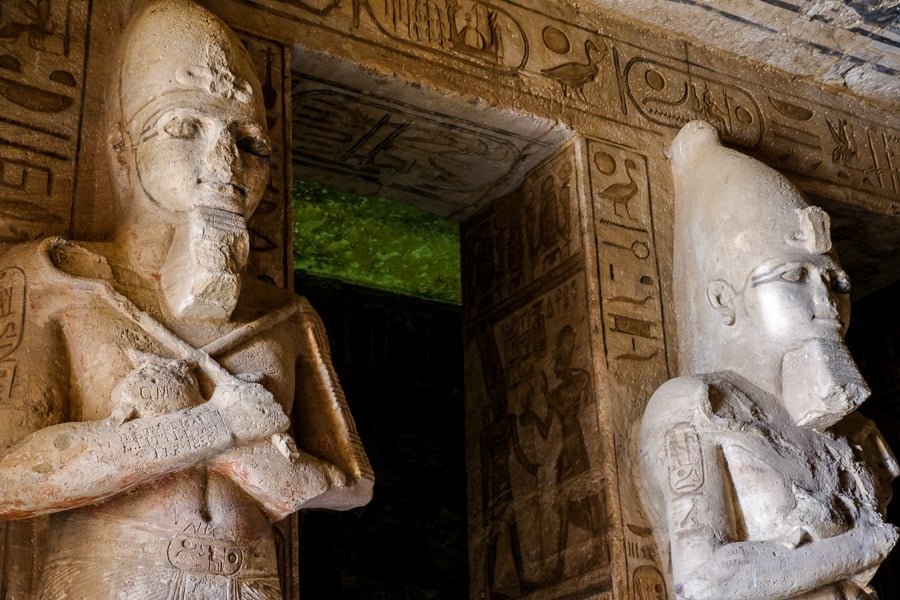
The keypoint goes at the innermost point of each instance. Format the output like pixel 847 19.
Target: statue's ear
pixel 720 295
pixel 119 146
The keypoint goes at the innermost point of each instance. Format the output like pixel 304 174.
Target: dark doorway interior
pixel 400 362
pixel 874 340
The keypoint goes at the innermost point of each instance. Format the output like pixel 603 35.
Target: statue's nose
pixel 826 304
pixel 222 156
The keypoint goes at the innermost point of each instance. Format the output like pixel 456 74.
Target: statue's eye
pixel 794 275
pixel 840 284
pixel 182 127
pixel 254 145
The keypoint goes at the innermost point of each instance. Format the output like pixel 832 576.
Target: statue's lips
pixel 225 196
pixel 226 190
pixel 828 322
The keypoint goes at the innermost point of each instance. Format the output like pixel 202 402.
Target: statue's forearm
pixel 754 570
pixel 282 486
pixel 74 464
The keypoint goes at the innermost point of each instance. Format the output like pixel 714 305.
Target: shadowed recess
pixel 375 242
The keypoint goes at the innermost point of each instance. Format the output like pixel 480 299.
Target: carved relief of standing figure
pixel 499 443
pixel 759 481
pixel 578 506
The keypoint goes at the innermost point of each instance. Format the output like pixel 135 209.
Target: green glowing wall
pixel 376 243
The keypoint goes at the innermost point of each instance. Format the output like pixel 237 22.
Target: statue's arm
pixel 282 485
pixel 711 559
pixel 69 465
pixel 330 470
pixel 59 466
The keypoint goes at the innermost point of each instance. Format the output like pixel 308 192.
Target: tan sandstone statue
pixel 144 383
pixel 760 481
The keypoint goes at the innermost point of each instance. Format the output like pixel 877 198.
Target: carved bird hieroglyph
pixel 573 76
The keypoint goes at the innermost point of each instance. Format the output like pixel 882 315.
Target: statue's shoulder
pixel 260 297
pixel 710 400
pixel 679 399
pixel 28 257
pixel 53 258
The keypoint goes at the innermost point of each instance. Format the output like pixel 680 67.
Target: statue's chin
pixel 207 296
pixel 820 383
pixel 200 277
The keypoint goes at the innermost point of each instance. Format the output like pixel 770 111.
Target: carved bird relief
pixel 573 76
pixel 621 193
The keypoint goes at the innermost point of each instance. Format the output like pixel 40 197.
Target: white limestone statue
pixel 759 480
pixel 144 382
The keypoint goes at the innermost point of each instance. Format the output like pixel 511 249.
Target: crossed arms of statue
pixel 48 465
pixel 283 485
pixel 711 555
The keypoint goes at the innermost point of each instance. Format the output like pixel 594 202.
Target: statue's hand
pixel 884 536
pixel 156 386
pixel 249 410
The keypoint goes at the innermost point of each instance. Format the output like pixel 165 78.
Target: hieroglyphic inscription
pixel 630 294
pixel 648 584
pixel 590 69
pixel 42 54
pixel 444 164
pixel 204 554
pixel 631 309
pixel 669 96
pixel 685 460
pixel 473 30
pixel 270 258
pixel 12 319
pixel 301 8
pixel 526 236
pixel 12 309
pixel 824 143
pixel 163 437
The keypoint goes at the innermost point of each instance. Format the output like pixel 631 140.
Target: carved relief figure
pixel 145 381
pixel 759 481
pixel 499 443
pixel 579 504
pixel 549 221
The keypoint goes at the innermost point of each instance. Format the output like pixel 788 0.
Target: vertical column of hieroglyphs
pixel 633 332
pixel 42 56
pixel 270 246
pixel 537 507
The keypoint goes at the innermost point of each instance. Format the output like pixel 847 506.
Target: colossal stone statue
pixel 760 481
pixel 145 382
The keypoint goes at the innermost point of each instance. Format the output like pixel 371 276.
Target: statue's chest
pixel 105 349
pixel 789 478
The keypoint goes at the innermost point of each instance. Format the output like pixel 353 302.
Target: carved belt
pixel 131 561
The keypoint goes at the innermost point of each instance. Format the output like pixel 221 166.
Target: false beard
pixel 820 383
pixel 201 274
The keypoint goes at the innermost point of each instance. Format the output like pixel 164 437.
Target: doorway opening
pixel 359 139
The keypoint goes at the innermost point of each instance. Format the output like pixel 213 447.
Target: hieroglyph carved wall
pixel 42 83
pixel 565 340
pixel 538 467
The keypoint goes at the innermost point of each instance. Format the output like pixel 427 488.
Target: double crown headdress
pixel 732 213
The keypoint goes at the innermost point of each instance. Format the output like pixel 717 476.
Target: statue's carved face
pixel 790 301
pixel 211 154
pixel 800 308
